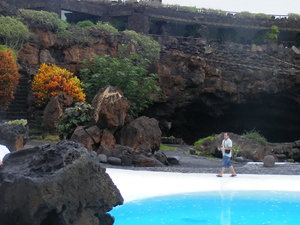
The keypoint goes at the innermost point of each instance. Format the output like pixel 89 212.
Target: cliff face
pixel 207 88
pixel 212 88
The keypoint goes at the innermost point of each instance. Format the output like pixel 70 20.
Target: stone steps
pixel 18 106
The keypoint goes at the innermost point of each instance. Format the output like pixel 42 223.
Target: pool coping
pixel 136 185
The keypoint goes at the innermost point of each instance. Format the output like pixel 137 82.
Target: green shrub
pixel 42 20
pixel 235 151
pixel 184 8
pixel 139 88
pixel 200 141
pixel 147 49
pixel 106 27
pixel 255 136
pixel 273 34
pixel 13 33
pixel 262 16
pixel 74 35
pixel 245 14
pixel 85 23
pixel 167 148
pixel 294 16
pixel 79 115
pixel 213 11
pixel 22 122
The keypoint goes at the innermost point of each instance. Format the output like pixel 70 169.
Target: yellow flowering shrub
pixel 52 80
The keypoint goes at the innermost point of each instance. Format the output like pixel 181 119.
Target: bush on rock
pixel 52 80
pixel 9 78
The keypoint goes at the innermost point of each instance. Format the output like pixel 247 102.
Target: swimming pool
pixel 213 208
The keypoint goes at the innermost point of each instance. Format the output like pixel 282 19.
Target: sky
pixel 274 7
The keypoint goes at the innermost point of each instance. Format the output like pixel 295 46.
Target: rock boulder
pixel 110 108
pixel 54 110
pixel 59 184
pixel 13 136
pixel 143 131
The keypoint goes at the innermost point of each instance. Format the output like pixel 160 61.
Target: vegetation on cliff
pixel 42 20
pixel 13 33
pixel 9 77
pixel 138 86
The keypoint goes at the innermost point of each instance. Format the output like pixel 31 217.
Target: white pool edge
pixel 136 185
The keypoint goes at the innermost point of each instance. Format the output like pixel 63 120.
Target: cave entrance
pixel 276 118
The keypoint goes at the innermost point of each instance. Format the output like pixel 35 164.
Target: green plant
pixel 13 33
pixel 273 34
pixel 262 16
pixel 140 88
pixel 74 35
pixel 106 27
pixel 294 16
pixel 245 14
pixel 85 23
pixel 147 49
pixel 203 153
pixel 42 20
pixel 22 122
pixel 200 141
pixel 79 115
pixel 167 148
pixel 255 136
pixel 235 151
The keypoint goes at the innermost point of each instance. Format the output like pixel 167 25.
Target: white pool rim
pixel 136 185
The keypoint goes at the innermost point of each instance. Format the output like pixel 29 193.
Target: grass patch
pixel 200 141
pixel 45 138
pixel 167 148
pixel 203 153
pixel 255 136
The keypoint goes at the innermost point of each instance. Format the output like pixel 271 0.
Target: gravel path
pixel 200 164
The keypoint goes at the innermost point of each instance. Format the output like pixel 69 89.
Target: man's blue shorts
pixel 226 161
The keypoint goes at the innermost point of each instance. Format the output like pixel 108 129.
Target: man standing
pixel 227 153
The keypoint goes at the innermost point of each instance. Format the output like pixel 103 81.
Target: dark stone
pixel 144 161
pixel 160 156
pixel 269 161
pixel 114 161
pixel 13 136
pixel 110 108
pixel 174 160
pixel 59 184
pixel 143 131
pixel 102 158
pixel 81 136
pixel 54 110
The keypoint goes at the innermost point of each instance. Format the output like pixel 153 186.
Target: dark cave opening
pixel 276 118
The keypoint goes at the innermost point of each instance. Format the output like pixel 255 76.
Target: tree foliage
pixel 79 115
pixel 13 33
pixel 140 88
pixel 9 78
pixel 147 50
pixel 52 80
pixel 42 20
pixel 273 34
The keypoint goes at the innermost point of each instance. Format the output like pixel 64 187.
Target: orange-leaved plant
pixel 9 77
pixel 52 80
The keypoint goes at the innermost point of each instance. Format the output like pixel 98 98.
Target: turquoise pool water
pixel 213 208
